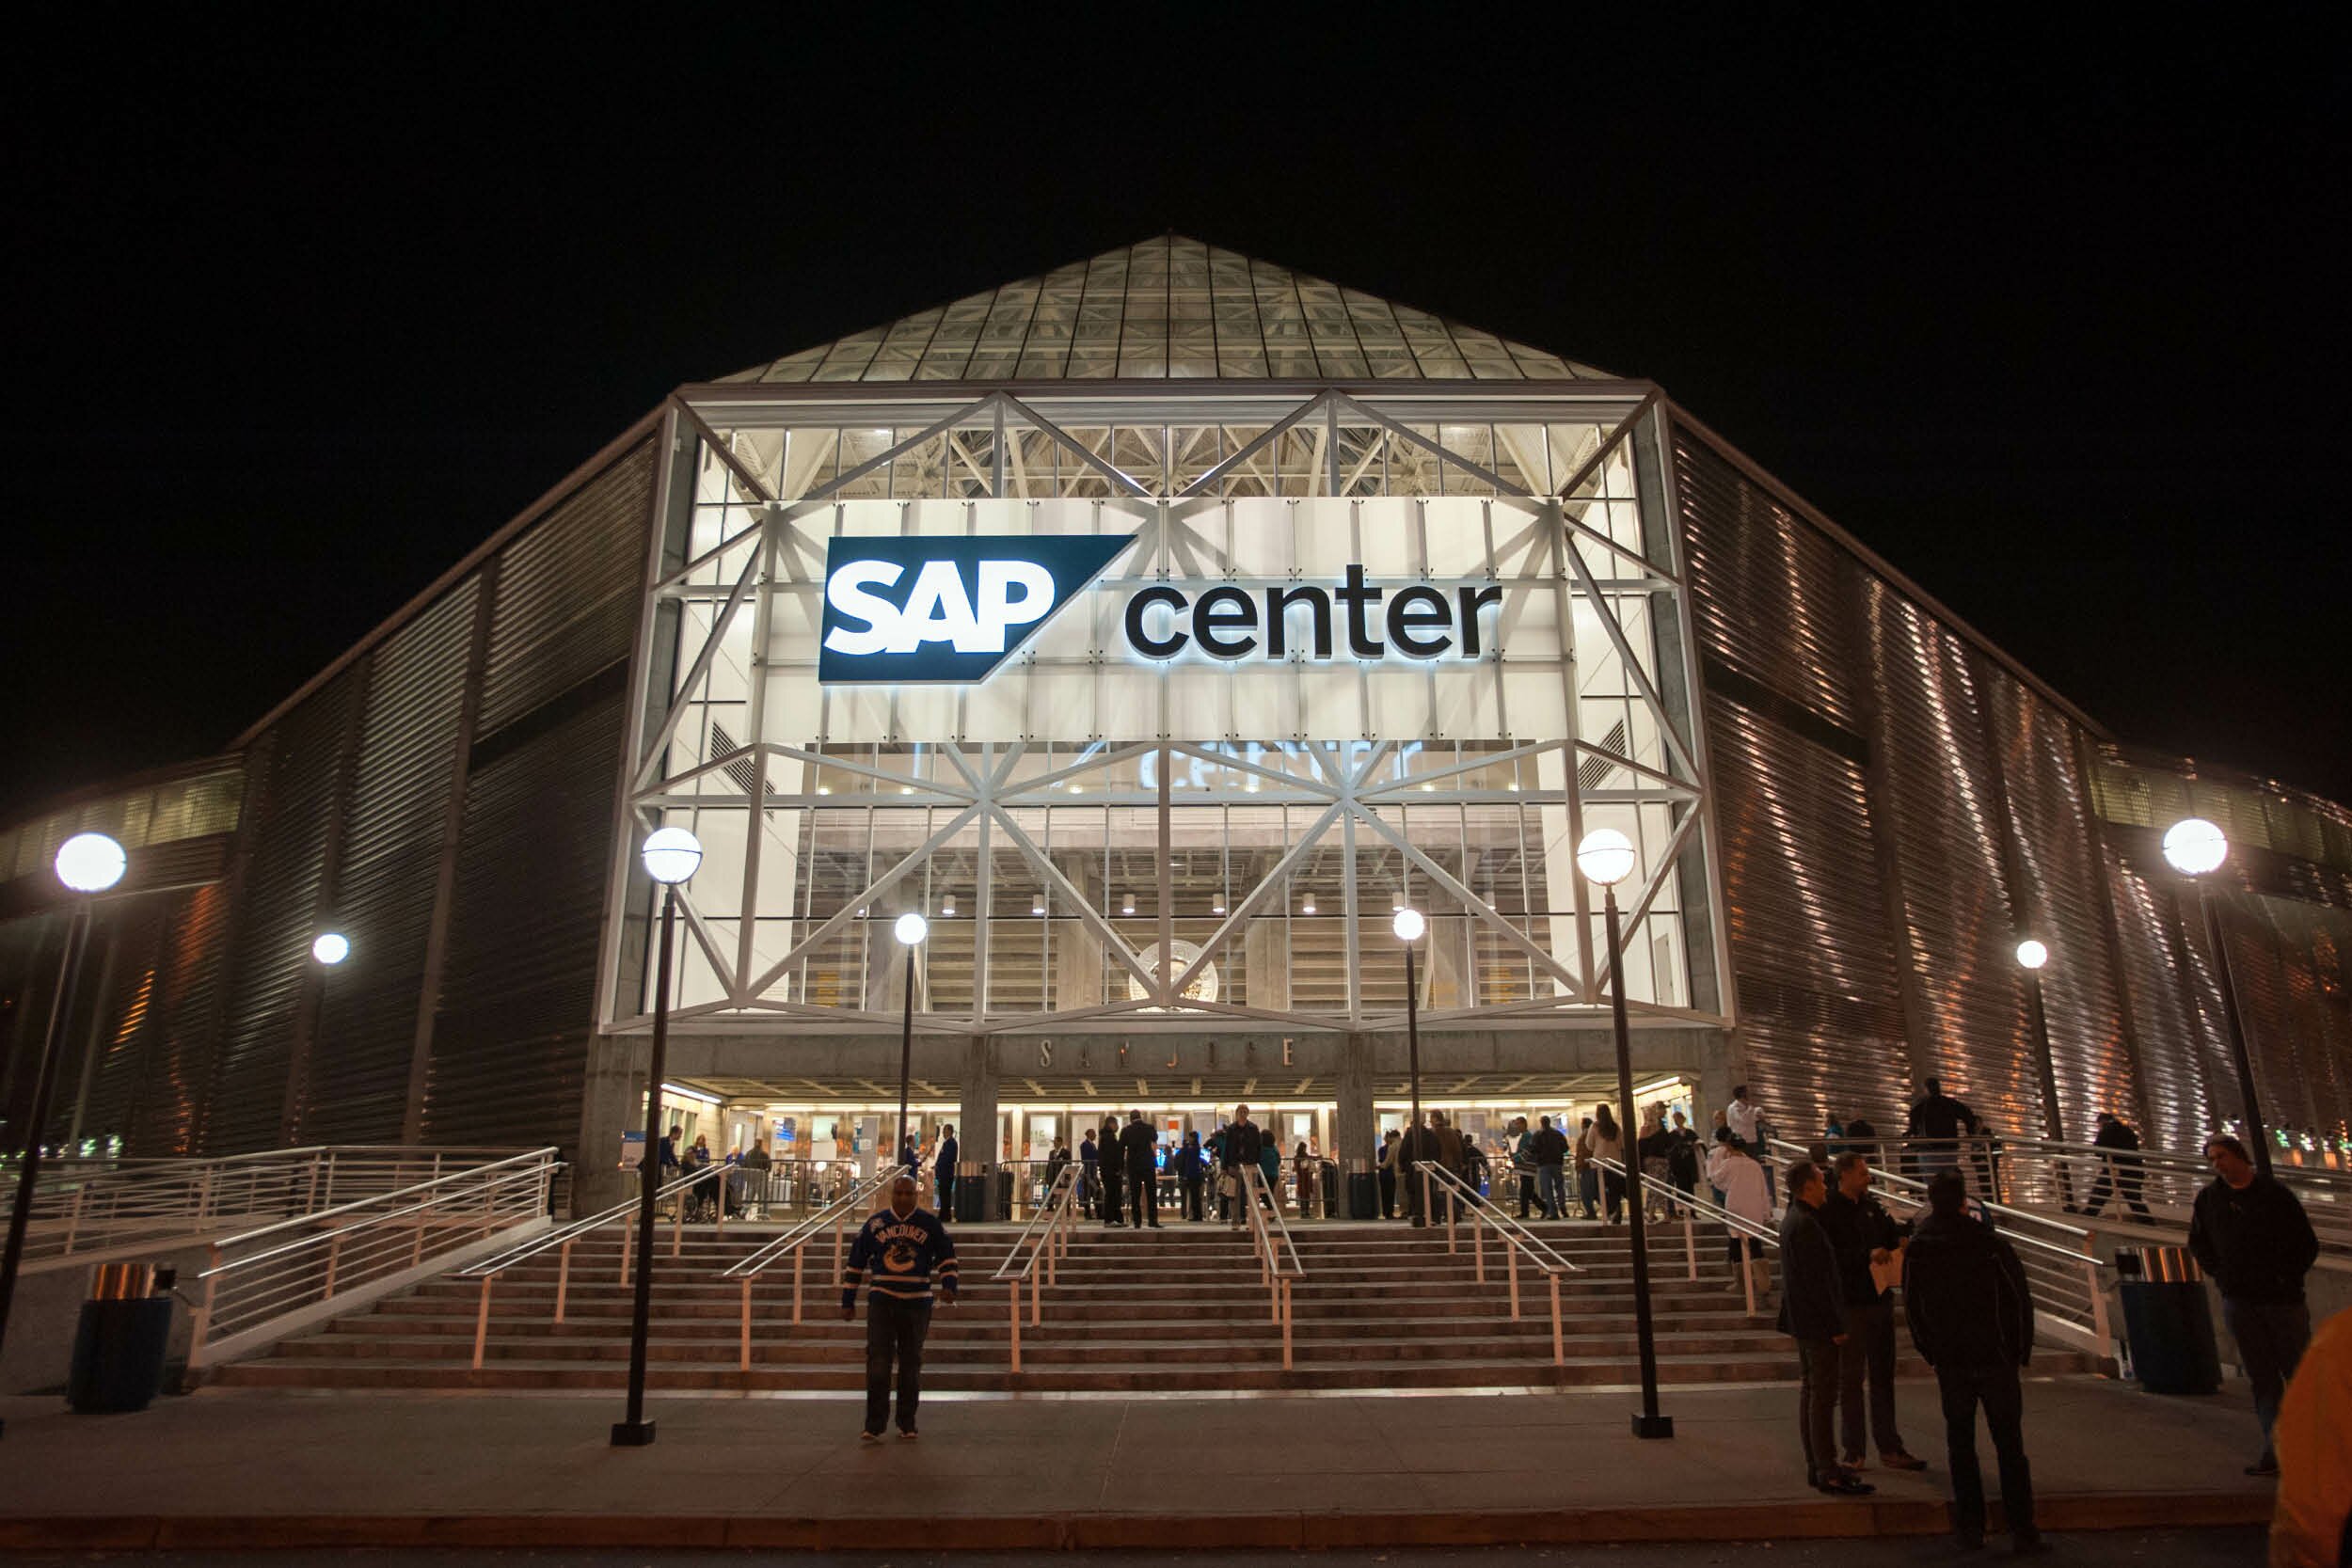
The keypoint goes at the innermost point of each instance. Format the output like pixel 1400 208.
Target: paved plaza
pixel 226 1470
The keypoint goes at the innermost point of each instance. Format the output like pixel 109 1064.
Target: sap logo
pixel 943 608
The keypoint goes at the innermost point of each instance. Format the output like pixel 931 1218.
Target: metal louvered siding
pixel 1767 587
pixel 2287 960
pixel 356 1089
pixel 285 829
pixel 1938 782
pixel 567 593
pixel 120 977
pixel 517 995
pixel 180 1025
pixel 1819 1008
pixel 510 1042
pixel 2049 804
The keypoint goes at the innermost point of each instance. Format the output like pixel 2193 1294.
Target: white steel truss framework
pixel 1032 852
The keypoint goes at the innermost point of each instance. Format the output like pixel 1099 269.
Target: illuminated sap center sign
pixel 948 609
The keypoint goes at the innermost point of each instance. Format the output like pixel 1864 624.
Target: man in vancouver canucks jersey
pixel 899 1255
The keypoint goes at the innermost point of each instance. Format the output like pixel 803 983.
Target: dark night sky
pixel 2055 322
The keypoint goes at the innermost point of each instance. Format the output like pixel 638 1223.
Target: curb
pixel 1100 1531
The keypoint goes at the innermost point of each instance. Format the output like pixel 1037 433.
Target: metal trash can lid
pixel 2162 1264
pixel 122 1282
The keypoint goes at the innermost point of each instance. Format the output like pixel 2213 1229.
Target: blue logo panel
pixel 944 608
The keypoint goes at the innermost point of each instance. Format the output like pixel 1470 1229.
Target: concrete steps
pixel 1178 1309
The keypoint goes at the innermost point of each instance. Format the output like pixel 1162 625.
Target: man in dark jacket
pixel 1971 1317
pixel 1090 1175
pixel 2119 1171
pixel 1813 1314
pixel 1243 1142
pixel 1113 1164
pixel 943 1173
pixel 1938 1121
pixel 2252 1237
pixel 1864 1234
pixel 1141 1145
pixel 1550 1151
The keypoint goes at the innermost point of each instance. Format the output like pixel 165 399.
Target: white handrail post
pixel 1286 1325
pixel 202 1318
pixel 1451 1205
pixel 2098 1296
pixel 1747 1267
pixel 1559 1348
pixel 628 1230
pixel 798 1247
pixel 1016 1322
pixel 330 1175
pixel 1478 1246
pixel 746 1362
pixel 73 1219
pixel 334 1256
pixel 1690 1243
pixel 562 1277
pixel 1511 1256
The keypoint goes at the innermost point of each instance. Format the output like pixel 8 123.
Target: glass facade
pixel 1094 831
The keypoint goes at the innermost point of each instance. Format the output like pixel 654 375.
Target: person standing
pixel 1303 1171
pixel 2118 1170
pixel 1113 1164
pixel 1270 1167
pixel 1523 1160
pixel 1055 1163
pixel 1971 1317
pixel 1682 1158
pixel 899 1257
pixel 2252 1236
pixel 1732 1171
pixel 1191 1175
pixel 943 1173
pixel 1214 1150
pixel 1861 1137
pixel 1242 1143
pixel 1608 1143
pixel 1090 1175
pixel 1549 1152
pixel 1388 1174
pixel 1653 1148
pixel 1418 1144
pixel 1865 1235
pixel 1812 1313
pixel 1587 1174
pixel 1141 1146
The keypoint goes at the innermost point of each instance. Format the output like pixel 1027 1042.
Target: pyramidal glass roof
pixel 1172 307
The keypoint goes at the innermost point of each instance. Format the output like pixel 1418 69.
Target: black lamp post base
pixel 1653 1426
pixel 632 1435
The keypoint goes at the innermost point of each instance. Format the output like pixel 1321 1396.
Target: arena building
pixel 1157 627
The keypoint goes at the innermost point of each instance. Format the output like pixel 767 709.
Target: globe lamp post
pixel 910 929
pixel 670 856
pixel 1606 858
pixel 1409 926
pixel 87 864
pixel 2196 848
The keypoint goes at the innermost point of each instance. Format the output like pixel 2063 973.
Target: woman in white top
pixel 1733 1171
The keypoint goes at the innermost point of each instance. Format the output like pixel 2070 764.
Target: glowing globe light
pixel 2195 846
pixel 90 862
pixel 1606 856
pixel 2031 954
pixel 331 948
pixel 1408 924
pixel 911 928
pixel 671 854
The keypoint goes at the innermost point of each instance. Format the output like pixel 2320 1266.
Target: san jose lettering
pixel 1231 623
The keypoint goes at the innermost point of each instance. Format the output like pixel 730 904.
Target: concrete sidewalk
pixel 252 1469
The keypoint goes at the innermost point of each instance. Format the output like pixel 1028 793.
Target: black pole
pixel 2257 1136
pixel 636 1431
pixel 2052 1118
pixel 45 1085
pixel 906 1062
pixel 1412 1063
pixel 1648 1423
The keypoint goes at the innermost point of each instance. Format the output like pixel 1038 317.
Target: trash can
pixel 119 1344
pixel 1364 1191
pixel 1327 1175
pixel 2168 1322
pixel 974 1178
pixel 1001 1183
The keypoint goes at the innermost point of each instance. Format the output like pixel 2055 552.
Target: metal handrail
pixel 1739 1224
pixel 1058 1213
pixel 543 1157
pixel 2021 1216
pixel 282 1285
pixel 1271 1272
pixel 1544 1255
pixel 573 1231
pixel 757 1262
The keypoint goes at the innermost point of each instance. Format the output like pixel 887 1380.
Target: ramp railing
pixel 1039 1251
pixel 1278 1267
pixel 263 1284
pixel 1463 1201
